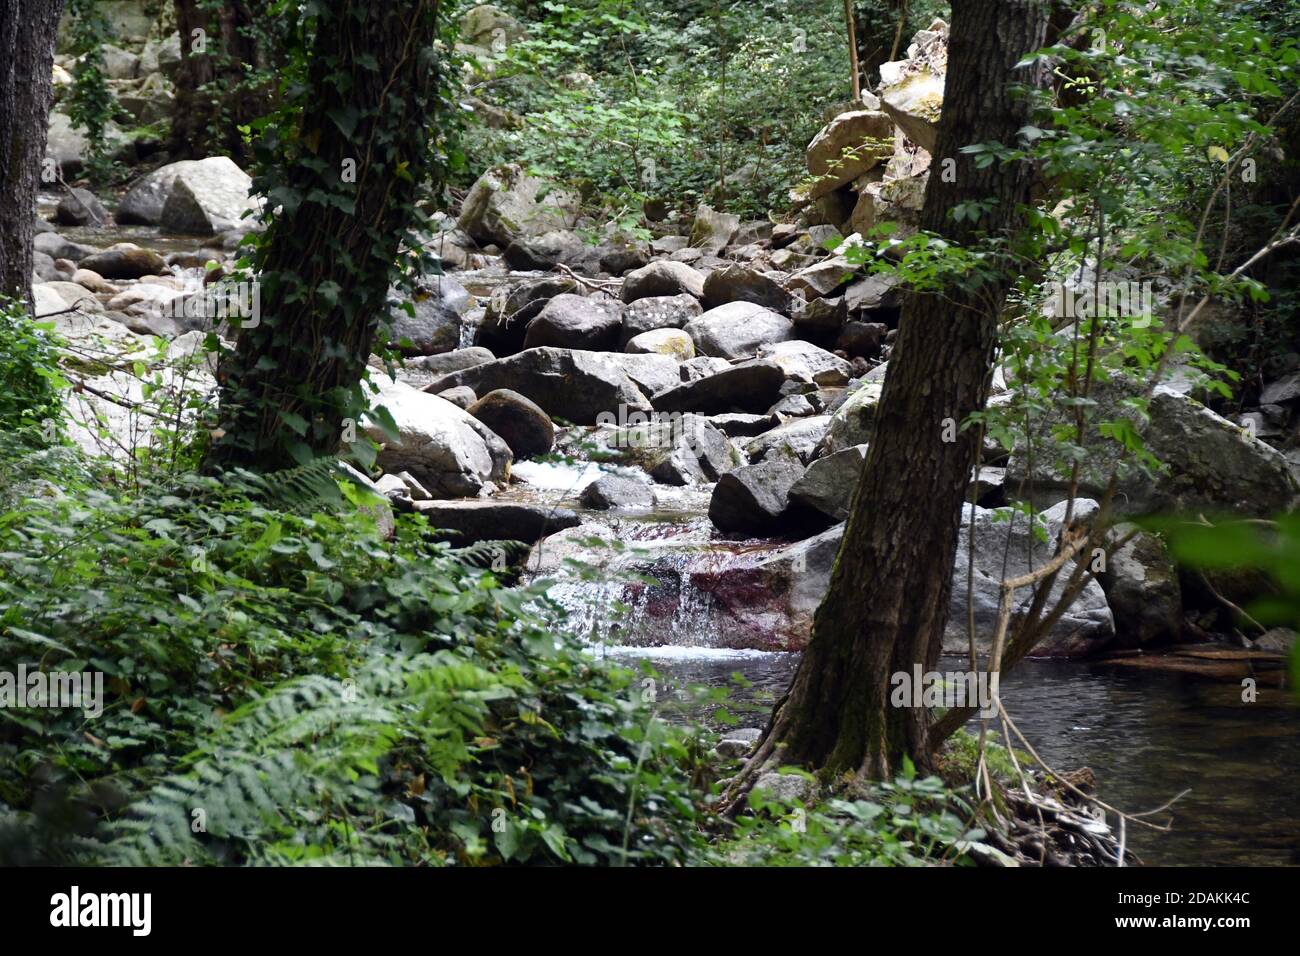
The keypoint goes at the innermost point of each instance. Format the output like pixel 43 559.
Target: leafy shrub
pixel 315 692
pixel 29 369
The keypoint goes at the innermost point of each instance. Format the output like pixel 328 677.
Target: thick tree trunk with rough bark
pixel 888 599
pixel 27 34
pixel 347 202
pixel 206 115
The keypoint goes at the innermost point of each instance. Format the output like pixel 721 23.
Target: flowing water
pixel 1147 734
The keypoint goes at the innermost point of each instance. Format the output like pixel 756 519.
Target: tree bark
pixel 27 35
pixel 213 98
pixel 888 598
pixel 347 198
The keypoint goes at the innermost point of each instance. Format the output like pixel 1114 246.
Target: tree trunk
pixel 27 34
pixel 213 95
pixel 364 147
pixel 888 598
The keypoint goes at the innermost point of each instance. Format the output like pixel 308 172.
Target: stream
pixel 1147 734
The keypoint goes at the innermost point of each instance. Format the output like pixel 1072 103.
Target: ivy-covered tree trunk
pixel 27 34
pixel 215 89
pixel 344 182
pixel 888 598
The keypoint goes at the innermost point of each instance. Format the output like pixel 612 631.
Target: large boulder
pixel 125 260
pixel 846 148
pixel 748 387
pixel 506 204
pixel 1005 544
pixel 828 484
pixel 737 330
pixel 822 278
pixel 489 27
pixel 212 197
pixel 795 440
pixel 854 420
pixel 471 521
pixel 447 450
pixel 686 451
pixel 573 385
pixel 805 362
pixel 915 103
pixel 741 283
pixel 543 253
pixel 420 370
pixel 673 342
pixel 651 372
pixel 663 277
pixel 435 327
pixel 1142 587
pixel 511 307
pixel 712 231
pixel 80 207
pixel 659 312
pixel 66 143
pixel 618 492
pixel 1212 464
pixel 753 499
pixel 520 422
pixel 576 322
pixel 57 247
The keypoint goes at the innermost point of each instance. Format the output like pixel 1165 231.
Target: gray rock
pixel 544 252
pixel 435 327
pixel 471 521
pixel 795 440
pixel 671 342
pixel 574 385
pixel 821 279
pixel 740 283
pixel 862 338
pixel 828 484
pixel 461 396
pixel 784 787
pixel 748 387
pixel 753 499
pixel 56 247
pixel 702 366
pixel 576 322
pixel 743 424
pixel 713 230
pixel 805 362
pixel 1212 465
pixel 440 444
pixel 853 421
pixel 1286 389
pixel 827 315
pixel 873 292
pixel 80 208
pixel 43 267
pixel 214 197
pixel 511 308
pixel 506 203
pixel 650 372
pixel 125 261
pixel 662 278
pixel 1086 628
pixel 737 330
pixel 617 492
pixel 866 135
pixel 420 370
pixel 521 423
pixel 738 742
pixel 658 312
pixel 690 452
pixel 1143 590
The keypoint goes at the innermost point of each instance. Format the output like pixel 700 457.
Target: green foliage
pixel 92 105
pixel 676 103
pixel 321 693
pixel 903 822
pixel 29 369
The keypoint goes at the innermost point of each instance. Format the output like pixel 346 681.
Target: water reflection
pixel 1147 735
